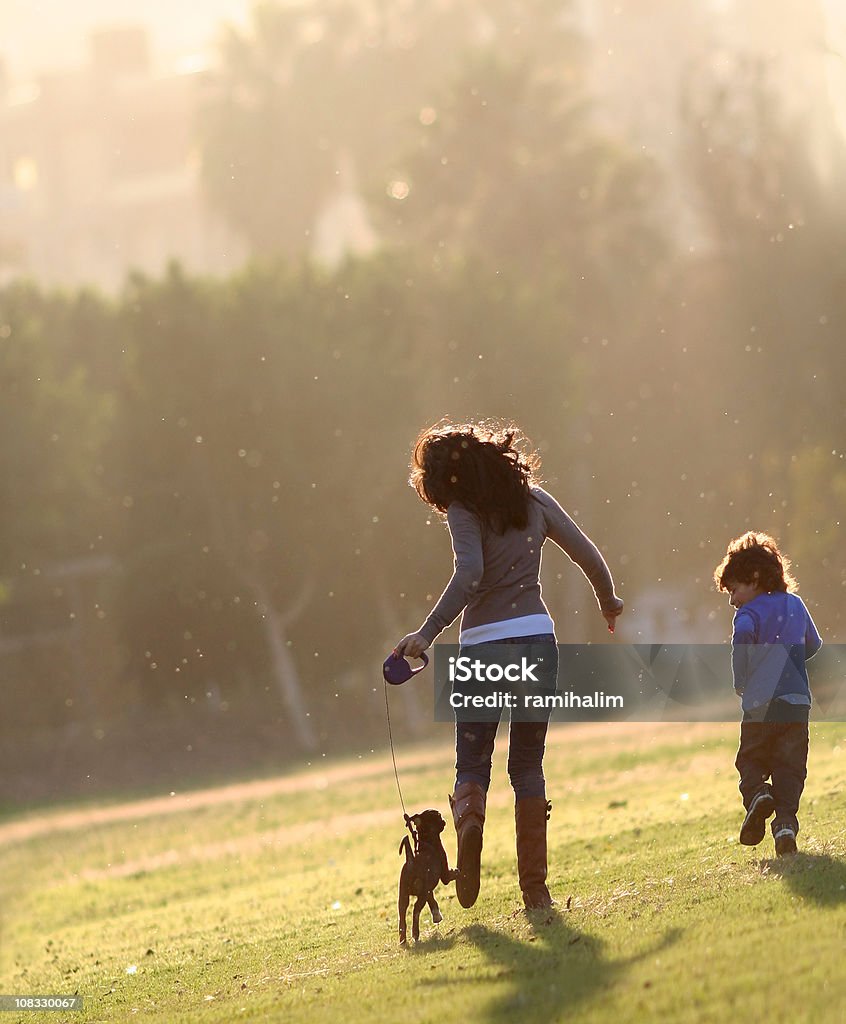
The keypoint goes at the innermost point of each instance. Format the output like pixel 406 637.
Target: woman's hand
pixel 610 615
pixel 411 646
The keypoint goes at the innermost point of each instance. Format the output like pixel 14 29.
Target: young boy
pixel 773 636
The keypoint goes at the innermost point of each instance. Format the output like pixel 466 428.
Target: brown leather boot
pixel 531 816
pixel 468 813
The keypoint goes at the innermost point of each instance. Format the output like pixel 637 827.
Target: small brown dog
pixel 424 867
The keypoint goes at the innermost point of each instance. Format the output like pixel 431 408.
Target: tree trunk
pixel 285 673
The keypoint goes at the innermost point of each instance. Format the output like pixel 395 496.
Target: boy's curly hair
pixel 755 558
pixel 487 467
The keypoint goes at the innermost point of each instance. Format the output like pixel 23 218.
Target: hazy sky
pixel 40 35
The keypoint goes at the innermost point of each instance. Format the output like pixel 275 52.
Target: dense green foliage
pixel 241 452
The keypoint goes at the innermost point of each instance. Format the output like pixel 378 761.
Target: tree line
pixel 206 541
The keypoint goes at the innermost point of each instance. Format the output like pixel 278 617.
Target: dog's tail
pixel 409 853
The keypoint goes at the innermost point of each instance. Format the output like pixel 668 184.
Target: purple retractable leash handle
pixel 396 669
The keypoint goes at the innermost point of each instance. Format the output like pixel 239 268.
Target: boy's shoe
pixel 785 841
pixel 755 823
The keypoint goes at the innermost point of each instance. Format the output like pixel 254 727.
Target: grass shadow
pixel 433 942
pixel 538 973
pixel 813 876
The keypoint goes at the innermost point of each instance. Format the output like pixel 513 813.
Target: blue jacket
pixel 773 635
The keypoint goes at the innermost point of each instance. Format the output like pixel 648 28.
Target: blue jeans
pixel 474 744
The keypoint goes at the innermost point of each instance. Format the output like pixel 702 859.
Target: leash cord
pixel 408 823
pixel 393 756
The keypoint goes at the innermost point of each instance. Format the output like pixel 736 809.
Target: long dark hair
pixel 487 467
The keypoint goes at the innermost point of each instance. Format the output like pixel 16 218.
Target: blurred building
pixel 99 172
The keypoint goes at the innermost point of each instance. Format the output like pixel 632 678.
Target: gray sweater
pixel 497 577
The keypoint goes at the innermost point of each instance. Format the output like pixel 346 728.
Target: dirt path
pixel 623 734
pixel 174 803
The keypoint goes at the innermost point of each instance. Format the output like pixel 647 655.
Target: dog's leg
pixel 402 905
pixel 415 917
pixel 446 875
pixel 437 916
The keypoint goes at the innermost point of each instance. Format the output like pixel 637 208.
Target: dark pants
pixel 776 749
pixel 474 745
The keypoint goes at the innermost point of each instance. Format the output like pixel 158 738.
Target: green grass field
pixel 275 901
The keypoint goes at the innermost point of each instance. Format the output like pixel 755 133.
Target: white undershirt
pixel 524 625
